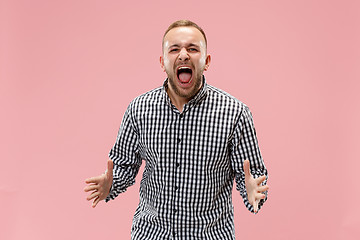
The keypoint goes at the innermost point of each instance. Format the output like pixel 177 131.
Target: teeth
pixel 184 68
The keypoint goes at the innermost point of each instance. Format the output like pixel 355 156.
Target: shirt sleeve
pixel 125 156
pixel 244 145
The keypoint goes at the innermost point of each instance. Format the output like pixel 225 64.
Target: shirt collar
pixel 195 100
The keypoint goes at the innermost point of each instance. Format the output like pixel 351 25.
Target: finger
pixel 256 206
pixel 259 196
pixel 260 179
pixel 110 166
pixel 90 187
pixel 95 202
pixel 93 195
pixel 263 188
pixel 93 180
pixel 246 166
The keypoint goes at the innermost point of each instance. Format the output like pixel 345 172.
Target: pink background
pixel 68 70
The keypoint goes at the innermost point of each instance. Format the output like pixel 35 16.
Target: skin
pixel 253 186
pixel 183 46
pixel 99 187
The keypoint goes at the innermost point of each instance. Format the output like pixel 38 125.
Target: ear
pixel 207 62
pixel 162 63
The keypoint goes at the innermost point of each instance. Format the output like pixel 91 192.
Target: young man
pixel 195 140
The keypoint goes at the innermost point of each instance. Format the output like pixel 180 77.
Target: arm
pixel 247 163
pixel 125 155
pixel 123 166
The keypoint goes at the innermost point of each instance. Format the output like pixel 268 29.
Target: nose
pixel 183 55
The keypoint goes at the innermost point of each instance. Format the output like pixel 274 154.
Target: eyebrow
pixel 189 45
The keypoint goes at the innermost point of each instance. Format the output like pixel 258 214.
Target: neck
pixel 178 101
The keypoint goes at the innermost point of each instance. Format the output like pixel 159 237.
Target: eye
pixel 193 50
pixel 174 50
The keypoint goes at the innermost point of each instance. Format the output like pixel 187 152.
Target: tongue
pixel 184 77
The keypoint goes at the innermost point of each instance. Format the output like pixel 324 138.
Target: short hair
pixel 184 23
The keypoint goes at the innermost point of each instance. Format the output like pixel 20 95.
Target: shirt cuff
pixel 118 186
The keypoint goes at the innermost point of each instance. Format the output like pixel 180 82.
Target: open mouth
pixel 184 74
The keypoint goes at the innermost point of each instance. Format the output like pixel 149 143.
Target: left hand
pixel 253 186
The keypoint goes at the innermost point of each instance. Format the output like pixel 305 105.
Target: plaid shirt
pixel 192 159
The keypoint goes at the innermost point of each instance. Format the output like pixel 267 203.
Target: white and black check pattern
pixel 192 159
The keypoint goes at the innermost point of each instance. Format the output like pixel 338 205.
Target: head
pixel 184 58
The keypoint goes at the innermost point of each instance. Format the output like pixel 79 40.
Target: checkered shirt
pixel 191 160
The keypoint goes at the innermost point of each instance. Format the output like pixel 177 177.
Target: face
pixel 184 60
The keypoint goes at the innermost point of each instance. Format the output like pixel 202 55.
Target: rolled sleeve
pixel 244 146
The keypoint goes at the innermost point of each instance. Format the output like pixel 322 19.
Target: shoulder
pixel 150 97
pixel 226 99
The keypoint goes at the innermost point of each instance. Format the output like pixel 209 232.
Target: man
pixel 195 140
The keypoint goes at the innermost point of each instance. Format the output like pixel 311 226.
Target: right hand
pixel 99 187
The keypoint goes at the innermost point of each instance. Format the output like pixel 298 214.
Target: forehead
pixel 183 36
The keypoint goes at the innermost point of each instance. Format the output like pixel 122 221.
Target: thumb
pixel 110 166
pixel 247 168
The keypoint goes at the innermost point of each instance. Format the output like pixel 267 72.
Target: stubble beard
pixel 194 90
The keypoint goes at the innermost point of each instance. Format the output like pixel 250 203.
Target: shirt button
pixel 181 115
pixel 176 187
pixel 179 140
pixel 177 164
pixel 174 234
pixel 175 210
